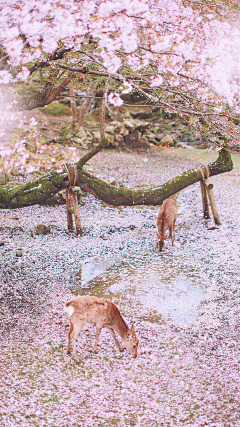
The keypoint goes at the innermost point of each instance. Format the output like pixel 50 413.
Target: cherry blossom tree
pixel 182 56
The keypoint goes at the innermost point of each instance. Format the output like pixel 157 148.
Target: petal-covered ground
pixel 184 303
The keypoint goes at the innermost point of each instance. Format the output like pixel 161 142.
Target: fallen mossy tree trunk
pixel 40 190
pixel 154 196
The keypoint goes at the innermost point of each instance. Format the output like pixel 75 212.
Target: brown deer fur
pixel 166 221
pixel 102 314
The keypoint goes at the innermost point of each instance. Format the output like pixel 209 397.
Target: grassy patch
pixel 56 109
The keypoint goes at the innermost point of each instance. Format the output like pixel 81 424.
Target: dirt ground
pixel 184 303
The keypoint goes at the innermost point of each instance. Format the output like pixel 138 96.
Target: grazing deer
pixel 166 221
pixel 103 314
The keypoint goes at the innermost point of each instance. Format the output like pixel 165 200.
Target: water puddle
pixel 90 270
pixel 152 288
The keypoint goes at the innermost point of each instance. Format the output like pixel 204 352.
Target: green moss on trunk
pixel 31 193
pixel 40 190
pixel 127 197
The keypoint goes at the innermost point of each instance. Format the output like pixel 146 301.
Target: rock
pixel 144 127
pixel 8 177
pixel 119 139
pixel 150 136
pixel 31 146
pixel 159 136
pixel 57 199
pixel 5 177
pixel 133 141
pixel 112 181
pixel 213 227
pixel 118 127
pixel 184 145
pixel 2 243
pixel 2 178
pixel 110 138
pixel 130 125
pixel 126 115
pixel 43 229
pixel 83 138
pixel 110 129
pixel 167 140
pixel 132 137
pixel 113 144
pixel 19 253
pixel 96 136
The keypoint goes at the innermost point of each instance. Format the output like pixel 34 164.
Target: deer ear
pixel 157 233
pixel 132 329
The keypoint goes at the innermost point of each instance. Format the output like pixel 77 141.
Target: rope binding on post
pixel 205 180
pixel 72 179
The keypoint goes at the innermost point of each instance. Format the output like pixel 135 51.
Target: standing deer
pixel 102 314
pixel 166 221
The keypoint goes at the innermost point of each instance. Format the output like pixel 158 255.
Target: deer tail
pixel 69 309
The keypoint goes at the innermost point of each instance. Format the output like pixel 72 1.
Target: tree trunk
pixel 43 97
pixel 73 104
pixel 127 197
pixel 40 190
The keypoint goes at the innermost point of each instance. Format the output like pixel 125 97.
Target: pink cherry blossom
pixel 156 81
pixel 111 61
pixel 33 121
pixel 114 99
pixel 126 87
pixel 5 77
pixel 23 74
pixel 14 47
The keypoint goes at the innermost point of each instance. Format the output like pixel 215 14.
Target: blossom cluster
pixel 17 159
pixel 166 32
pixel 139 43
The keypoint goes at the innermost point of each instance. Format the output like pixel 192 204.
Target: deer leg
pixel 171 234
pixel 115 339
pixel 174 229
pixel 77 327
pixel 69 333
pixel 98 332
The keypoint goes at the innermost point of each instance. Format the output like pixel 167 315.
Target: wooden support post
pixel 69 209
pixel 77 218
pixel 204 200
pixel 213 205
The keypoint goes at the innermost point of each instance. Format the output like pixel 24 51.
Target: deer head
pixel 131 341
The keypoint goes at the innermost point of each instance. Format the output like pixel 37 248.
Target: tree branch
pixel 40 190
pixel 103 143
pixel 127 197
pixel 44 97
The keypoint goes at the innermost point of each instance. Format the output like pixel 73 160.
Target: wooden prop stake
pixel 74 202
pixel 204 201
pixel 208 196
pixel 213 205
pixel 69 209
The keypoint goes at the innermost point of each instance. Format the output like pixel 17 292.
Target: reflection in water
pixel 90 270
pixel 153 289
